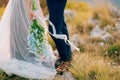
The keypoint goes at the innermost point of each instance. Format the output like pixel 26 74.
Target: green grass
pixel 4 76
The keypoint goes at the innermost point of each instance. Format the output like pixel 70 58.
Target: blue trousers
pixel 56 16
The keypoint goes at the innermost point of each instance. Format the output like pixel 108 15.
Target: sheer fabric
pixel 15 57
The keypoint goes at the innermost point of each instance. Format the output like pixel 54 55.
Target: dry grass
pixel 82 12
pixel 1 11
pixel 92 62
pixel 86 66
pixel 104 13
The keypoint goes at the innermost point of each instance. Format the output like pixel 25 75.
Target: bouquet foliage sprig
pixel 36 34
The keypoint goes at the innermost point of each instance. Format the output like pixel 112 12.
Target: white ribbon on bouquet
pixel 57 36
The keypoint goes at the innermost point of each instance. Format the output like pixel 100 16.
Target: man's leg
pixel 56 11
pixel 65 31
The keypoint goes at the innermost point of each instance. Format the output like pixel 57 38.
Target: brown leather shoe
pixel 62 67
pixel 57 63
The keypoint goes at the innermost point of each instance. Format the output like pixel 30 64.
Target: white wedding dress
pixel 15 57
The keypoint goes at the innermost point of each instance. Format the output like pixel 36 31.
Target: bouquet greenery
pixel 36 37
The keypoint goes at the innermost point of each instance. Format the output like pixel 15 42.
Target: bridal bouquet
pixel 36 36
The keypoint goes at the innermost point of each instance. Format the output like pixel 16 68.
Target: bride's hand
pixel 31 15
